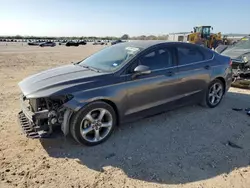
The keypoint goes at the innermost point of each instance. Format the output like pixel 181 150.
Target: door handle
pixel 207 67
pixel 170 73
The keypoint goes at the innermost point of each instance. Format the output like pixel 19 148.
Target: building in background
pixel 181 36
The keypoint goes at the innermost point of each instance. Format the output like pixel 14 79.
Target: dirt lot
pixel 185 148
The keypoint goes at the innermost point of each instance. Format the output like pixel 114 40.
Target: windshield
pixel 111 58
pixel 206 30
pixel 244 43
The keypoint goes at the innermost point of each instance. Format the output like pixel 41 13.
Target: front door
pixel 157 88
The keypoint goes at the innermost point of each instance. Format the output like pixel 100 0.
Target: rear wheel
pixel 214 94
pixel 93 124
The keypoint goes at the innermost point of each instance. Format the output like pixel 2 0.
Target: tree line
pixel 123 37
pixel 144 37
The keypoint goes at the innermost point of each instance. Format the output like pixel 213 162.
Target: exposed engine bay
pixel 39 116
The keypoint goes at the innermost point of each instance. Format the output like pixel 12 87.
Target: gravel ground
pixel 191 147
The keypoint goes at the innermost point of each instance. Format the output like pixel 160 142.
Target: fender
pixel 73 106
pixel 76 105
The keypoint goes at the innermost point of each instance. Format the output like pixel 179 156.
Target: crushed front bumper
pixel 29 121
pixel 29 128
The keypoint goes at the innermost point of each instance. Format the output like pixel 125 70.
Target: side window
pixel 208 54
pixel 157 59
pixel 151 54
pixel 189 54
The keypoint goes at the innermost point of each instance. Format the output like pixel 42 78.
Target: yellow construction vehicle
pixel 202 36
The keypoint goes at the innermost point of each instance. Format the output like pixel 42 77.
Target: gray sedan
pixel 121 83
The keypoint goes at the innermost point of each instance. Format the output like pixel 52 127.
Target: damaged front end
pixel 241 68
pixel 240 55
pixel 38 116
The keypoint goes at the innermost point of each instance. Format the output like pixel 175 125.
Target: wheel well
pixel 223 81
pixel 113 105
pixel 67 128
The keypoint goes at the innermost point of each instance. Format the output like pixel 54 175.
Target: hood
pixel 235 53
pixel 54 80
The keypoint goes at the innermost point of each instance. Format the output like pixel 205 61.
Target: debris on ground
pixel 110 155
pixel 247 110
pixel 233 145
pixel 237 109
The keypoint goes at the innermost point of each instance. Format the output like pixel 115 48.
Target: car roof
pixel 148 43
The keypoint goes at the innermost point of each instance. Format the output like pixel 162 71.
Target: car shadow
pixel 186 145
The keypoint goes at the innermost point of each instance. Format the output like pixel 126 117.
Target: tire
pixel 81 121
pixel 207 98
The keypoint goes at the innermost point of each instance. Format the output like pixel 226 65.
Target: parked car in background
pixel 34 43
pixel 121 83
pixel 82 42
pixel 63 42
pixel 116 42
pixel 72 43
pixel 44 44
pixel 98 42
pixel 240 55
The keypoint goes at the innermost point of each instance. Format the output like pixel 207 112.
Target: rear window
pixel 208 54
pixel 189 54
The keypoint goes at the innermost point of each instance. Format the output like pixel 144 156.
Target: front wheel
pixel 214 94
pixel 93 124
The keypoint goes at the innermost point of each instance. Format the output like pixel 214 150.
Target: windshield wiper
pixel 91 68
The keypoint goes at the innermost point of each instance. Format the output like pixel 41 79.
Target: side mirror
pixel 141 70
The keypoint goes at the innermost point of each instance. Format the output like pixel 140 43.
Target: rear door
pixel 194 70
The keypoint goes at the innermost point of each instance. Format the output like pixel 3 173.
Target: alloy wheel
pixel 215 94
pixel 96 125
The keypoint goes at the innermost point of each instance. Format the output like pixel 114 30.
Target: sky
pixel 118 17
